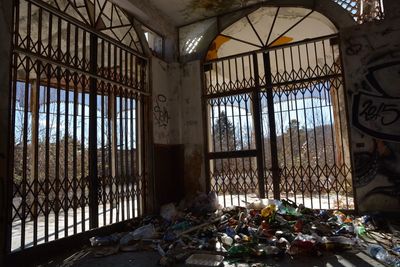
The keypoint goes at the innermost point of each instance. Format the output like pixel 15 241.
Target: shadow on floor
pixel 149 259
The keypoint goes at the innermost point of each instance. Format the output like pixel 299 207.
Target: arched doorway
pixel 78 96
pixel 275 111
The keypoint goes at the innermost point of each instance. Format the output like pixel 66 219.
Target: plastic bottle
pixel 227 240
pixel 359 230
pixel 379 253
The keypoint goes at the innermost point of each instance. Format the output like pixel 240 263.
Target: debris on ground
pixel 265 228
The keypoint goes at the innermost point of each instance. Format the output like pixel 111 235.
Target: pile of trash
pixel 264 228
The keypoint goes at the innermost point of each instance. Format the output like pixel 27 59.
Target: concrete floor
pixel 149 259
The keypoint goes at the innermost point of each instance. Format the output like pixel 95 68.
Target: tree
pixel 224 134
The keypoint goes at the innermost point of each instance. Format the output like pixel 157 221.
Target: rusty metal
pixel 292 96
pixel 67 77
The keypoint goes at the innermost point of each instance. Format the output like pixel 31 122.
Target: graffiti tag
pixel 387 114
pixel 378 116
pixel 160 110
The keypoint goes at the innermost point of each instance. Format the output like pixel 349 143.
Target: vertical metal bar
pixel 139 147
pixel 308 170
pixel 126 77
pixel 234 99
pixel 35 96
pixel 133 169
pixel 114 144
pixel 66 135
pixel 257 127
pixel 118 171
pixel 289 101
pixel 93 175
pixel 331 123
pixel 66 151
pixel 103 162
pixel 131 73
pixel 57 158
pixel 246 104
pixel 219 128
pixel 137 154
pixel 110 128
pixel 127 173
pixel 58 115
pixel 76 48
pixel 83 169
pixel 121 154
pixel 144 108
pixel 226 99
pixel 240 124
pixel 35 132
pixel 322 126
pixel 211 101
pixel 103 159
pixel 315 135
pixel 47 154
pixel 272 127
pixel 25 153
pixel 74 151
pixel 109 72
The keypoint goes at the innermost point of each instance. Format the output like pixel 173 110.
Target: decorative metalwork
pixel 277 125
pixel 102 16
pixel 363 10
pixel 77 114
pixel 191 34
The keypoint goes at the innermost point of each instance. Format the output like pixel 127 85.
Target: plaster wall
pixel 192 128
pixel 166 86
pixel 371 56
pixel 177 116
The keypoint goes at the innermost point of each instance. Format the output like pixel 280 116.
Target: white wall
pixel 177 115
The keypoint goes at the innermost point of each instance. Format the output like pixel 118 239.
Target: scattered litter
pixel 168 211
pixel 144 232
pixel 200 232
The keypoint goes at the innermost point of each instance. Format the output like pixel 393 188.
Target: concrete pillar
pixel 5 55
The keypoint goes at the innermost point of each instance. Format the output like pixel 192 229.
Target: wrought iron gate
pixel 78 95
pixel 276 125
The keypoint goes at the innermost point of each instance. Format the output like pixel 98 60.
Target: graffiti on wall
pixel 376 108
pixel 381 159
pixel 372 61
pixel 161 115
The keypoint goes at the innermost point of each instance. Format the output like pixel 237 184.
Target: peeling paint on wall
pixel 372 62
pixel 214 6
pixel 216 44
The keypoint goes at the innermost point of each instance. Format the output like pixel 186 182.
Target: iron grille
pixel 78 99
pixel 277 125
pixel 363 10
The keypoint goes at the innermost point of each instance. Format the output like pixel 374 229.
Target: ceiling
pixel 182 12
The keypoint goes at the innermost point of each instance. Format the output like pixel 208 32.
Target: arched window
pixel 275 110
